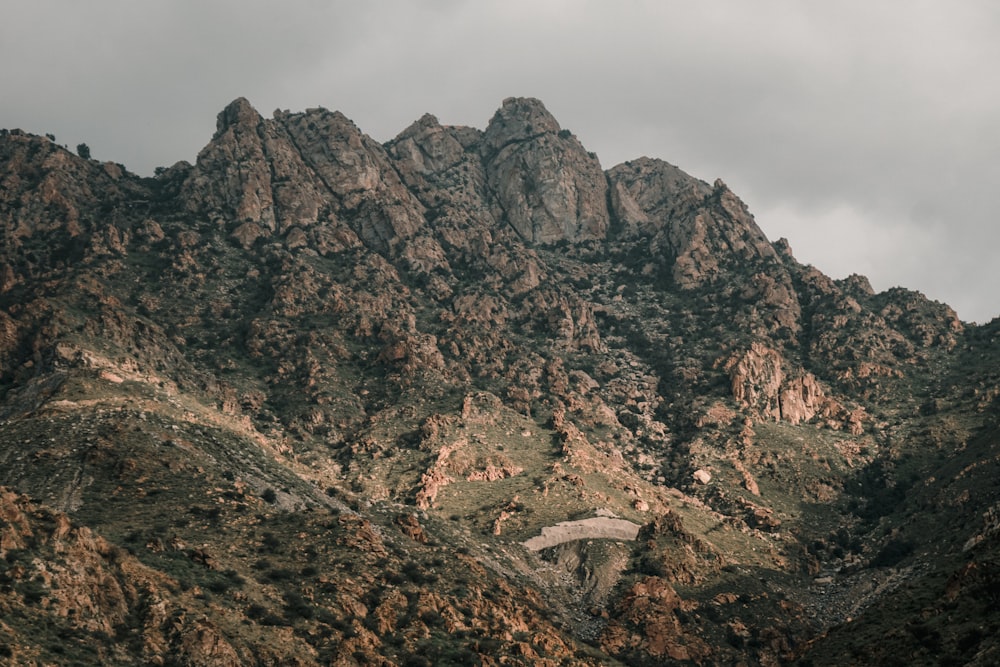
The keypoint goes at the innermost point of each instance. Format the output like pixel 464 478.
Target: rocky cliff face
pixel 548 187
pixel 310 399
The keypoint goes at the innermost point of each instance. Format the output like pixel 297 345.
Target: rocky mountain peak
pixel 237 112
pixel 427 120
pixel 646 192
pixel 429 148
pixel 704 234
pixel 518 119
pixel 549 187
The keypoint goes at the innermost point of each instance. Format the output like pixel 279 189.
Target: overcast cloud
pixel 867 133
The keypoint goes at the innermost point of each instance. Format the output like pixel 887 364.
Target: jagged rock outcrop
pixel 761 384
pixel 300 176
pixel 50 192
pixel 648 620
pixel 647 194
pixel 699 231
pixel 548 187
pixel 91 586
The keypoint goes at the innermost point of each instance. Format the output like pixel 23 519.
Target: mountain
pixel 465 398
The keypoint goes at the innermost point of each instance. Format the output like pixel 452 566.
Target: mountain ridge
pixel 464 337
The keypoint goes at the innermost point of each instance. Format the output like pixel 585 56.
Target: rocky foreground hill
pixel 468 398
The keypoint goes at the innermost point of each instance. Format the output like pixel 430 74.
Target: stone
pixel 702 476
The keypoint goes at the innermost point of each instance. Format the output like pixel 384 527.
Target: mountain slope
pixel 322 394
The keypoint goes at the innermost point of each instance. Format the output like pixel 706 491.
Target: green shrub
pixel 297 607
pixel 893 552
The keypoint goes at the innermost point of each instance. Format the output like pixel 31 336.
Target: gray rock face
pixel 428 149
pixel 549 187
pixel 303 170
pixel 442 165
pixel 646 193
pixel 232 173
pixel 317 171
pixel 697 228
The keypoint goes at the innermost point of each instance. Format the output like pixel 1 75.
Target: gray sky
pixel 867 133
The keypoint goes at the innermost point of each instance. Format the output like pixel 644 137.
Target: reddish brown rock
pixel 411 527
pixel 647 620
